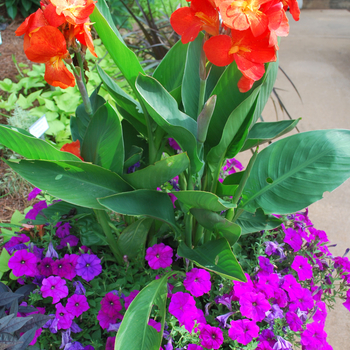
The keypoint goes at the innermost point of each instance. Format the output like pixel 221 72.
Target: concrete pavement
pixel 316 56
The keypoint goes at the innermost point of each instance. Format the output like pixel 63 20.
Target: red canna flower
pixel 248 52
pixel 189 21
pixel 242 15
pixel 83 34
pixel 293 8
pixel 75 11
pixel 73 147
pixel 47 45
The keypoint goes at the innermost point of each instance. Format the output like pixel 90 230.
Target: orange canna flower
pixel 72 147
pixel 83 34
pixel 244 14
pixel 189 21
pixel 293 8
pixel 47 45
pixel 248 52
pixel 75 11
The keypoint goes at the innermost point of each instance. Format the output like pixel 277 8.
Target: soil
pixel 11 45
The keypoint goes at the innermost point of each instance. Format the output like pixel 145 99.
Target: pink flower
pixel 347 301
pixel 302 267
pixel 54 287
pixel 77 304
pixel 23 263
pixel 314 337
pixel 211 337
pixel 197 282
pixel 254 306
pixel 194 347
pixel 64 317
pixel 293 238
pixel 156 325
pixel 111 304
pixel 130 298
pixel 243 331
pixel 291 285
pixel 294 322
pixel 159 256
pixel 182 304
pixel 106 320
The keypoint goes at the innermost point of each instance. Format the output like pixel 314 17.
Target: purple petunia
pixel 23 263
pixel 37 208
pixel 15 241
pixel 244 331
pixel 63 231
pixel 63 268
pixel 302 267
pixel 51 252
pixel 79 288
pixel 45 267
pixel 211 337
pixel 159 256
pixel 223 319
pixel 71 240
pixel 111 305
pixel 194 347
pixel 110 343
pixel 181 305
pixel 34 192
pixel 77 304
pixel 294 322
pixel 197 282
pixel 88 266
pixel 54 287
pixel 282 344
pixel 265 266
pixel 293 238
pixel 173 144
pixel 130 298
pixel 254 306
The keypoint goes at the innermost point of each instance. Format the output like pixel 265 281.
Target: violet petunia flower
pixel 74 346
pixel 274 313
pixel 63 230
pixel 89 347
pixel 77 304
pixel 282 344
pixel 302 267
pixel 52 324
pixel 88 266
pixel 34 192
pixel 173 144
pixel 159 256
pixel 51 252
pixel 66 338
pixel 15 241
pixel 273 248
pixel 267 335
pixel 244 331
pixel 223 319
pixel 130 298
pixel 197 282
pixel 64 317
pixel 114 327
pixel 71 240
pixel 54 287
pixel 37 208
pixel 265 265
pixel 211 337
pixel 45 267
pixel 75 328
pixel 23 263
pixel 79 288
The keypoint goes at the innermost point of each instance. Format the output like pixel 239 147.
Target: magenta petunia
pixel 347 301
pixel 254 306
pixel 111 304
pixel 156 325
pixel 77 304
pixel 23 263
pixel 293 238
pixel 182 304
pixel 211 337
pixel 54 287
pixel 110 343
pixel 62 268
pixel 14 241
pixel 294 322
pixel 174 144
pixel 45 267
pixel 159 256
pixel 194 347
pixel 34 192
pixel 241 288
pixel 291 286
pixel 268 284
pixel 303 301
pixel 37 207
pixel 244 331
pixel 264 345
pixel 321 312
pixel 314 337
pixel 265 266
pixel 88 266
pixel 130 298
pixel 105 320
pixel 64 317
pixel 197 282
pixel 302 267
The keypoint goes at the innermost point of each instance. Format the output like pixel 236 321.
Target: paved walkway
pixel 316 56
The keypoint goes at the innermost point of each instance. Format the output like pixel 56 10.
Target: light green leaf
pixel 156 175
pixel 31 147
pixel 214 256
pixel 74 182
pixel 294 172
pixel 4 259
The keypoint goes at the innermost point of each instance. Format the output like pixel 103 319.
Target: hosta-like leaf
pixel 156 175
pixel 215 256
pixel 294 172
pixel 78 183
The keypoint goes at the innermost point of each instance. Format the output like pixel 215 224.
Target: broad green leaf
pixel 31 147
pixel 171 69
pixel 133 238
pixel 257 222
pixel 212 79
pixel 16 219
pixel 164 111
pixel 156 175
pixel 78 183
pixel 203 200
pixel 191 79
pixel 225 190
pixel 218 224
pixel 150 203
pixel 80 122
pixel 124 58
pixel 134 332
pixel 263 132
pixel 214 256
pixel 4 259
pixel 103 142
pixel 294 172
pixel 137 125
pixel 121 98
pixel 234 133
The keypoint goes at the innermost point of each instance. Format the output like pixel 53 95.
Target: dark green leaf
pixel 36 322
pixel 78 183
pixel 15 324
pixel 218 224
pixel 103 143
pixel 31 147
pixel 156 175
pixel 294 172
pixel 134 156
pixel 215 256
pixel 133 238
pixel 25 340
pixel 8 297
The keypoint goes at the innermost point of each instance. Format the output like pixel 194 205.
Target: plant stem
pixel 103 220
pixel 188 229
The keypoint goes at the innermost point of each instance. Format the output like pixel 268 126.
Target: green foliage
pixel 26 7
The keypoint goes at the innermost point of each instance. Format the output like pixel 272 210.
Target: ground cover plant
pixel 151 176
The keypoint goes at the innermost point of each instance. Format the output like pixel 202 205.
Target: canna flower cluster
pixel 242 31
pixel 55 31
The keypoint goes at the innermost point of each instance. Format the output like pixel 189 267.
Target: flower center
pixel 52 287
pixel 23 262
pixel 60 266
pixel 157 255
pixel 111 303
pixel 47 266
pixel 61 314
pixel 76 304
pixel 87 265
